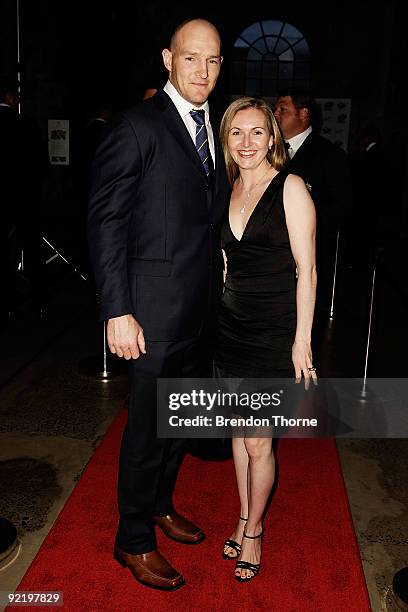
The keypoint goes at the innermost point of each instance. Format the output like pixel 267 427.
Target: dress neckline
pixel 253 211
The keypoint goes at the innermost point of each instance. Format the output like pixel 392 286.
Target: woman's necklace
pixel 249 193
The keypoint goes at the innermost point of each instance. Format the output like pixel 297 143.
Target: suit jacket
pixel 325 170
pixel 154 223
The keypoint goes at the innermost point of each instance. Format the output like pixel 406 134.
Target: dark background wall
pixel 78 50
pixel 76 53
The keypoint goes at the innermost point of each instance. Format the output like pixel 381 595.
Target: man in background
pixel 325 170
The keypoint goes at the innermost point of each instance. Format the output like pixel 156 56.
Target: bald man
pixel 157 201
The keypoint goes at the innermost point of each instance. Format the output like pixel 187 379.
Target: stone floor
pixel 376 476
pixel 53 417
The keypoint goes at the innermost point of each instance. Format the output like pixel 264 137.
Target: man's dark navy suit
pixel 154 224
pixel 324 168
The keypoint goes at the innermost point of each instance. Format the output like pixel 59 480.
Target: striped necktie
pixel 201 141
pixel 289 149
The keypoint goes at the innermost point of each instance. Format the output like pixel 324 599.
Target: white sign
pixel 336 120
pixel 58 141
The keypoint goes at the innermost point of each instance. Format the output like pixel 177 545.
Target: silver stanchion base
pixel 93 367
pixel 9 543
pixel 400 588
pixel 330 328
pixel 362 399
pixel 366 395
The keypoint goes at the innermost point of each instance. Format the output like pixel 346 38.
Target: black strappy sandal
pixel 234 545
pixel 252 567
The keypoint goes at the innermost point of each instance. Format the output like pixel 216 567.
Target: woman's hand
pixel 302 361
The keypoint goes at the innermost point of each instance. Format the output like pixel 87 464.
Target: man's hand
pixel 125 337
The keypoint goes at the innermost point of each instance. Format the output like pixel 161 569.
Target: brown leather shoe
pixel 179 528
pixel 151 569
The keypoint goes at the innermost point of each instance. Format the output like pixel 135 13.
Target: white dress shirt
pixel 184 107
pixel 296 141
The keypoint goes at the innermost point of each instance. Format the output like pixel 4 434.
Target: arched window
pixel 270 56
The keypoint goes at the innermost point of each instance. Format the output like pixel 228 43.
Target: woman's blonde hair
pixel 276 155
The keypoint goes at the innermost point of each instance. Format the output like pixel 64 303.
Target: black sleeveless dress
pixel 257 318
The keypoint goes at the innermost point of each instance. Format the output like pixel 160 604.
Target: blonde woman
pixel 267 307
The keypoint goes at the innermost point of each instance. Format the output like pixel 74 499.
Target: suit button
pixel 206 187
pixel 211 225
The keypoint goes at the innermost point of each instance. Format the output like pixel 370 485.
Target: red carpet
pixel 310 557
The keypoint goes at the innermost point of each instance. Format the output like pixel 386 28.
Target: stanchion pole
pixel 100 366
pixel 363 391
pixel 105 352
pixel 334 276
pixel 95 366
pixel 20 266
pixel 18 57
pixel 61 256
pixel 21 262
pixel 376 260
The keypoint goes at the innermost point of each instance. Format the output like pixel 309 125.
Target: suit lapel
pixel 302 151
pixel 176 126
